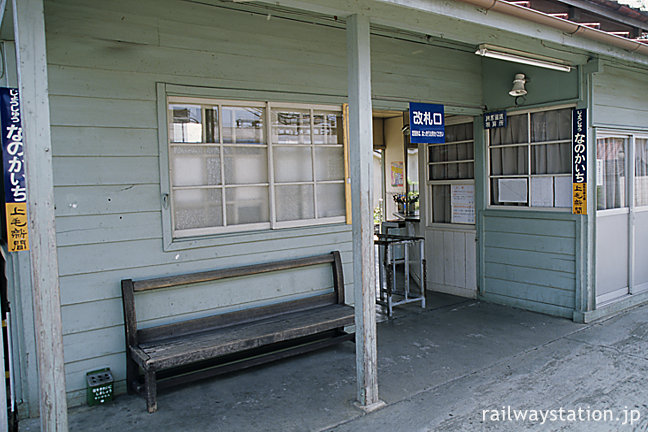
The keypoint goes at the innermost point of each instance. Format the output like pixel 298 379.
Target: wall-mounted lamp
pixel 516 56
pixel 518 86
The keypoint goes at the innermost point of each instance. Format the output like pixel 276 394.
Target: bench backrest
pixel 130 287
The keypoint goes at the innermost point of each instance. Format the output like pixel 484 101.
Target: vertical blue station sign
pixel 13 162
pixel 427 124
pixel 579 161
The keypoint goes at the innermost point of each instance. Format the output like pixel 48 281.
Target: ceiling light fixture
pixel 511 55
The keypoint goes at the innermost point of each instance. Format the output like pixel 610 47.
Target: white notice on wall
pixel 599 172
pixel 462 200
pixel 512 190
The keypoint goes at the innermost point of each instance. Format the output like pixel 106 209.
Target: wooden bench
pixel 198 348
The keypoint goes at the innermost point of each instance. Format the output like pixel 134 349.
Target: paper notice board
pixel 462 201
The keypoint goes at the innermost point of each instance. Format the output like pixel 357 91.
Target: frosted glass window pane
pixel 246 165
pixel 513 191
pixel 294 202
pixel 610 188
pixel 246 205
pixel 292 164
pixel 641 171
pixel 186 123
pixel 195 165
pixel 515 132
pixel 291 127
pixel 329 163
pixel 551 125
pixel 564 190
pixel 551 159
pixel 542 192
pixel 327 128
pixel 330 200
pixel 197 208
pixel 243 125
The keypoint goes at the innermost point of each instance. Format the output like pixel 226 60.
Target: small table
pixel 387 259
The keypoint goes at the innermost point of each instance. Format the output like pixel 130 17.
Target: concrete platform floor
pixel 439 369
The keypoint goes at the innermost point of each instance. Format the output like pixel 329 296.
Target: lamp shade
pixel 518 86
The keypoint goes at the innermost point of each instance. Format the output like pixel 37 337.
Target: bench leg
pixel 150 387
pixel 132 372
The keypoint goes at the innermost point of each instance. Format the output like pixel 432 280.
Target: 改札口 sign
pixel 579 161
pixel 14 170
pixel 427 124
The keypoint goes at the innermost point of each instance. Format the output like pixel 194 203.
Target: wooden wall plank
pixel 80 111
pixel 85 230
pixel 559 245
pixel 546 261
pixel 87 82
pixel 541 227
pixel 98 141
pixel 531 275
pixel 90 287
pixel 549 309
pixel 530 292
pixel 141 253
pixel 617 96
pixel 95 200
pixel 106 170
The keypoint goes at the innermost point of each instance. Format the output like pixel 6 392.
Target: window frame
pixel 178 94
pixel 449 182
pixel 631 137
pixel 528 144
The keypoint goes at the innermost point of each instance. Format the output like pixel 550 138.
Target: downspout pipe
pixel 563 25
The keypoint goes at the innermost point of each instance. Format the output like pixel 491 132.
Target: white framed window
pixel 451 175
pixel 530 160
pixel 611 171
pixel 241 166
pixel 641 171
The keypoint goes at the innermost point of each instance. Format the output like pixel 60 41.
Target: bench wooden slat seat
pixel 231 339
pixel 239 339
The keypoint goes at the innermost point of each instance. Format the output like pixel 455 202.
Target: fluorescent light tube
pixel 486 51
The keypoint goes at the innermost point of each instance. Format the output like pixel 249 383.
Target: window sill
pixel 225 239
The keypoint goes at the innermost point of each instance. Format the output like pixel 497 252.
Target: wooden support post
pixel 360 161
pixel 29 28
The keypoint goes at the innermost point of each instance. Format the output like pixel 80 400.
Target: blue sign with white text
pixel 427 124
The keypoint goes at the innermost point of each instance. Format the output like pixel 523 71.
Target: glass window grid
pixel 528 144
pixel 268 135
pixel 632 140
pixel 447 182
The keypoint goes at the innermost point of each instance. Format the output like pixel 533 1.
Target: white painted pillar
pixel 360 164
pixel 29 28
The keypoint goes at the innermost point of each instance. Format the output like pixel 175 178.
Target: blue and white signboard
pixel 495 120
pixel 427 124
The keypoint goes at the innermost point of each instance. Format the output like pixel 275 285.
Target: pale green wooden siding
pixel 530 261
pixel 105 59
pixel 619 97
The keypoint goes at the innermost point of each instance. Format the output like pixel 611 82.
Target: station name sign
pixel 427 123
pixel 14 170
pixel 579 161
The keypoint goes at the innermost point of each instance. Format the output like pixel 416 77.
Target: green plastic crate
pixel 100 386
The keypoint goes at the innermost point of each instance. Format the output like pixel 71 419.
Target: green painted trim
pixel 481 197
pixel 167 232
